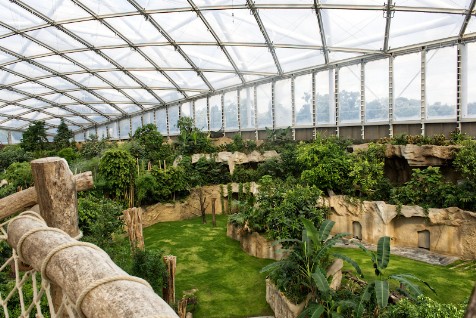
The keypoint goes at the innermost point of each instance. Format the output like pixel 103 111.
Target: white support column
pixel 167 120
pixel 208 111
pixel 362 100
pixel 336 100
pixel 238 109
pixel 255 106
pixel 273 103
pixel 130 126
pixel 193 113
pixel 293 109
pixel 314 112
pixel 390 96
pixel 423 92
pixel 462 83
pixel 9 137
pixel 223 117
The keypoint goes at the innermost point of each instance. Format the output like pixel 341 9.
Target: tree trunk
pixel 133 221
pixel 169 291
pixel 203 208
pixel 27 198
pixel 214 221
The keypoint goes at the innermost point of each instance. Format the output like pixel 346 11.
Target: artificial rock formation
pixel 449 231
pixel 237 158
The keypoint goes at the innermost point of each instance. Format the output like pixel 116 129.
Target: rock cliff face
pixel 450 231
pixel 237 158
pixel 418 156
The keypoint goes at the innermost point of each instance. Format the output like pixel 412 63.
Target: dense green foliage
pixel 191 140
pixel 424 307
pixel 149 265
pixel 119 169
pixel 63 136
pixel 13 153
pixel 34 137
pixel 93 147
pixel 147 143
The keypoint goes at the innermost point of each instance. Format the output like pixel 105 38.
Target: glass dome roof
pixel 95 61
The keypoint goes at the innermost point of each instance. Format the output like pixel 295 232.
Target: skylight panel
pixel 165 56
pixel 454 4
pixel 12 110
pixel 415 27
pixel 118 78
pixel 84 96
pixel 295 59
pixel 208 57
pixel 108 6
pixel 222 80
pixel 291 26
pixel 184 27
pixel 58 63
pixel 32 88
pixel 137 29
pixel 94 32
pixel 15 123
pixel 22 46
pixel 187 79
pixel 27 69
pixel 112 95
pixel 36 116
pixel 234 26
pixel 253 58
pixel 55 39
pixel 87 79
pixel 127 57
pixel 58 9
pixel 354 28
pixel 57 111
pixel 152 78
pixel 91 60
pixel 141 95
pixel 17 16
pixel 82 109
pixel 10 96
pixel 7 78
pixel 155 5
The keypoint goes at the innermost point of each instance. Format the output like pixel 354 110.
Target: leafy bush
pixel 280 205
pixel 18 174
pixel 465 160
pixel 326 163
pixel 119 169
pixel 63 136
pixel 423 307
pixel 243 174
pixel 69 154
pixel 161 185
pixel 93 147
pixel 13 153
pixel 191 140
pixel 34 137
pixel 238 144
pixel 366 170
pixel 150 266
pixel 99 219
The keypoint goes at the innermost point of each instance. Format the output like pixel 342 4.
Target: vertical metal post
pixel 273 96
pixel 130 126
pixel 462 81
pixel 390 96
pixel 223 116
pixel 314 101
pixel 208 111
pixel 167 120
pixel 9 137
pixel 194 113
pixel 423 92
pixel 255 106
pixel 336 100
pixel 362 100
pixel 293 109
pixel 238 109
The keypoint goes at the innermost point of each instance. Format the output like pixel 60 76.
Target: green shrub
pixel 161 185
pixel 69 154
pixel 465 160
pixel 149 265
pixel 191 140
pixel 423 307
pixel 93 147
pixel 366 171
pixel 34 137
pixel 18 174
pixel 118 168
pixel 13 153
pixel 63 136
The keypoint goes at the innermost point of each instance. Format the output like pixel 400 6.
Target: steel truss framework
pixel 106 65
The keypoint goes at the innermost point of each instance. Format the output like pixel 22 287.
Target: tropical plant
pixel 423 307
pixel 302 273
pixel 69 154
pixel 191 140
pixel 13 153
pixel 18 174
pixel 380 286
pixel 93 147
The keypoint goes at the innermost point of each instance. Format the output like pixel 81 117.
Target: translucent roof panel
pixel 105 61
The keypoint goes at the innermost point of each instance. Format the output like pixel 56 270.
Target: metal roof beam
pixel 467 18
pixel 388 17
pixel 254 11
pixel 325 49
pixel 172 42
pixel 217 39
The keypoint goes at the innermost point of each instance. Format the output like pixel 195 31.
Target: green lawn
pixel 228 280
pixel 451 285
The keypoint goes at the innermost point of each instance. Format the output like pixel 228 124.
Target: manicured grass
pixel 451 285
pixel 228 280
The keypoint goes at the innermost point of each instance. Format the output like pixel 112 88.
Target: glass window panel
pixel 91 60
pixel 83 109
pixel 35 116
pixel 416 27
pixel 113 130
pixel 12 110
pixel 102 132
pixel 112 95
pixel 471 27
pixel 376 91
pixel 349 94
pixel 201 114
pixel 27 69
pixel 10 95
pixel 16 123
pixel 136 123
pixel 57 82
pixel 32 88
pixel 152 79
pixel 88 80
pixel 108 6
pixel 165 56
pixel 247 108
pixel 187 79
pixel 291 26
pixel 440 81
pixel 118 78
pixel 22 46
pixel 222 80
pixel 79 120
pixel 84 96
pixel 16 137
pixel 469 80
pixel 9 78
pixel 148 118
pixel 207 57
pixel 303 100
pixel 263 105
pixel 186 110
pixel 231 110
pixel 58 10
pixel 79 136
pixel 283 103
pixel 4 137
pixel 127 58
pixel 173 119
pixel 141 95
pixel 325 106
pixel 356 29
pixel 136 28
pixel 153 5
pixel 161 118
pixel 168 95
pixel 17 16
pixel 125 128
pixel 407 87
pixel 129 108
pixel 55 38
pixel 462 4
pixel 215 112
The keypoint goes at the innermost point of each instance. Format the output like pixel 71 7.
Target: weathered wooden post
pixel 169 291
pixel 214 221
pixel 56 191
pixel 133 221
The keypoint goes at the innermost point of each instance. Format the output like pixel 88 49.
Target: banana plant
pixel 380 286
